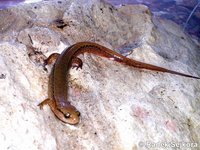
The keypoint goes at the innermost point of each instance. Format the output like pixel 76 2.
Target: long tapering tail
pixel 142 65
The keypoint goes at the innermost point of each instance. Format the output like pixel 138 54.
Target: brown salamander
pixel 58 101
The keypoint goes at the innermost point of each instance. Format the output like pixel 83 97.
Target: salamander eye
pixel 78 113
pixel 67 115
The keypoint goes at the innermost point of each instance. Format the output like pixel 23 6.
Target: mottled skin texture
pixel 58 100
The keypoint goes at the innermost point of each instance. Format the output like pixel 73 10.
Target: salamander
pixel 58 102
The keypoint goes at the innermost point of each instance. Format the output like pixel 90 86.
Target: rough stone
pixel 122 108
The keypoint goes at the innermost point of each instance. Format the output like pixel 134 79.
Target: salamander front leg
pixel 52 105
pixel 67 114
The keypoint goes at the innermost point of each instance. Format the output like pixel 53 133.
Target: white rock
pixel 121 107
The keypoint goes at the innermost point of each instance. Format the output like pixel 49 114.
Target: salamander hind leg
pixel 51 59
pixel 76 63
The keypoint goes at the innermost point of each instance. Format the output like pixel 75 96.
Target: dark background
pixel 176 10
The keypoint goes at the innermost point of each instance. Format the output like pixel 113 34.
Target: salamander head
pixel 69 115
pixel 66 113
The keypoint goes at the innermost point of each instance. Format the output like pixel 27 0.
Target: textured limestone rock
pixel 121 107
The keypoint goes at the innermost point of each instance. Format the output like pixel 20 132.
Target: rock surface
pixel 175 10
pixel 122 108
